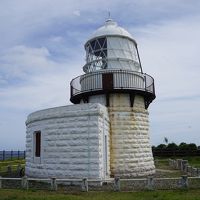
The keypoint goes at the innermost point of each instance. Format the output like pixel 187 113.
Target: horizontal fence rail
pixel 9 155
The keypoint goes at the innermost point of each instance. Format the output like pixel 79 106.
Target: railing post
pixel 184 181
pixel 150 183
pixel 117 184
pixel 84 185
pixel 53 184
pixel 0 182
pixel 25 182
pixel 145 82
pixel 3 155
pixel 11 154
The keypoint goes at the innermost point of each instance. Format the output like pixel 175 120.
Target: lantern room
pixel 111 47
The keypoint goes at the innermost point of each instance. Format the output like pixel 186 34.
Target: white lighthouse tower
pixel 114 78
pixel 106 132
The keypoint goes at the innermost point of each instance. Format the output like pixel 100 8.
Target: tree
pixel 172 147
pixel 192 147
pixel 161 147
pixel 153 148
pixel 183 146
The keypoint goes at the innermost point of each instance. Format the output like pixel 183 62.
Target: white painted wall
pixel 101 98
pixel 72 142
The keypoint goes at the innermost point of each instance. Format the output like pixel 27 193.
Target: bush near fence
pixel 10 155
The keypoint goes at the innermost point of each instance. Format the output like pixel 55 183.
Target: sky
pixel 41 50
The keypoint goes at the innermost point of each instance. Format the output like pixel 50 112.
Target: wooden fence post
pixel 150 183
pixel 184 181
pixel 117 184
pixel 84 185
pixel 53 184
pixel 25 182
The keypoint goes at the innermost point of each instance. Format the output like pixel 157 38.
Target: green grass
pixel 162 163
pixel 14 194
pixel 193 161
pixel 144 195
pixel 11 162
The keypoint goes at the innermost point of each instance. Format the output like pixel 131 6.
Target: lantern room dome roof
pixel 111 28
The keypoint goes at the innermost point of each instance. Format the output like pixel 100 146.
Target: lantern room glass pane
pixel 96 54
pixel 122 53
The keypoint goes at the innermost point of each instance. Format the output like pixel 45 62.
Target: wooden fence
pixel 191 180
pixel 115 184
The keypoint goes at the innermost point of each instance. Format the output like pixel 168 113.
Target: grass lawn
pixel 145 195
pixel 193 161
pixel 11 162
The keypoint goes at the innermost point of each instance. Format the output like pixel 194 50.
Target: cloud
pixel 77 13
pixel 31 80
pixel 18 61
pixel 40 79
pixel 169 52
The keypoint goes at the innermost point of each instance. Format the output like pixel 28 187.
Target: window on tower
pixel 37 143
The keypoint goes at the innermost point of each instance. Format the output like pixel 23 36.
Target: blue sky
pixel 42 50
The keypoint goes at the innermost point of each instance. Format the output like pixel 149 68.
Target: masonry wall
pixel 131 154
pixel 72 142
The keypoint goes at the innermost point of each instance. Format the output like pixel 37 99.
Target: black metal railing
pixel 121 80
pixel 9 155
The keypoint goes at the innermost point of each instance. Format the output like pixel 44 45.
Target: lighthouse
pixel 106 132
pixel 114 78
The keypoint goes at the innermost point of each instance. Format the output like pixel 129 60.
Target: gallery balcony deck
pixel 112 81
